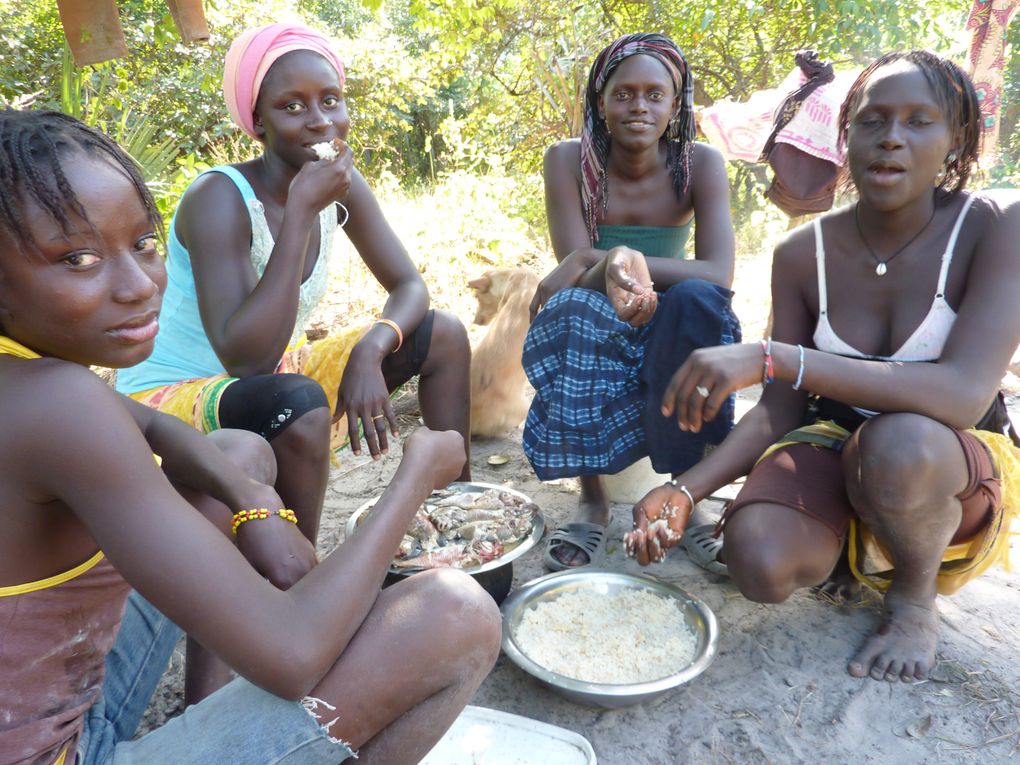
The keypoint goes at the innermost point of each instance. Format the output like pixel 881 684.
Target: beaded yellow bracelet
pixel 258 514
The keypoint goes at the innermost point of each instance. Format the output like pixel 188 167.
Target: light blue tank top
pixel 182 350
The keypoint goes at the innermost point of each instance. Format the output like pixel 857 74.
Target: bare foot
pixel 593 507
pixel 903 648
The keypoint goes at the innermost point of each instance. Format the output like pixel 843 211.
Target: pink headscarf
pixel 250 57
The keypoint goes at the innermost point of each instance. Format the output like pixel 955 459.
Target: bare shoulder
pixel 209 188
pixel 212 203
pixel 796 250
pixel 55 406
pixel 998 206
pixel 563 157
pixel 997 218
pixel 704 155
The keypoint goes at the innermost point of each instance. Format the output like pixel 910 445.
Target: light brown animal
pixel 499 402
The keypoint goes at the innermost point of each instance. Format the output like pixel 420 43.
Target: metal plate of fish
pixel 462 504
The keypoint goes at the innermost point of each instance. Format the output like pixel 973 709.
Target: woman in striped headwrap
pixel 623 308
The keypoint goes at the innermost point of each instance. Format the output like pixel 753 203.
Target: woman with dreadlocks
pixel 623 309
pixel 898 314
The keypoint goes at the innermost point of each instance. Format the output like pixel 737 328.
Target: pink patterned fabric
pixel 739 129
pixel 987 23
pixel 253 52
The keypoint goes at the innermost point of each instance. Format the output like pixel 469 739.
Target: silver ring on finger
pixel 702 391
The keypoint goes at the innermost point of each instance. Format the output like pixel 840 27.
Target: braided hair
pixel 595 139
pixel 956 97
pixel 32 145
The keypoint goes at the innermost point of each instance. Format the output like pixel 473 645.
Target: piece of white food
pixel 325 150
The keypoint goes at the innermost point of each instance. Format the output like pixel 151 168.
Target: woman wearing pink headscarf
pixel 248 253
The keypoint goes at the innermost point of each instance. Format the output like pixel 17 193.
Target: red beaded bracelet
pixel 768 372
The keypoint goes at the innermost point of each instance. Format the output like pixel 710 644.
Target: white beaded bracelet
pixel 800 371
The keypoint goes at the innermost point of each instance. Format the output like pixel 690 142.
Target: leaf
pixel 919 729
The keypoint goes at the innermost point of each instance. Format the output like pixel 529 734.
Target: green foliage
pixel 439 89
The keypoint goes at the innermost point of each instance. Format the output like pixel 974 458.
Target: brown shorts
pixel 809 478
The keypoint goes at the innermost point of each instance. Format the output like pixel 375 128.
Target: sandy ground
pixel 778 691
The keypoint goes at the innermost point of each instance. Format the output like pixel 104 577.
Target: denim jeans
pixel 240 723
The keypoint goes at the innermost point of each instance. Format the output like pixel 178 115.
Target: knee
pixel 248 450
pixel 471 617
pixel 449 337
pixel 769 557
pixel 894 461
pixel 308 434
pixel 759 576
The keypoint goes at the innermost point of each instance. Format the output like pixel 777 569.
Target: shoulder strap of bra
pixel 947 256
pixel 247 192
pixel 820 266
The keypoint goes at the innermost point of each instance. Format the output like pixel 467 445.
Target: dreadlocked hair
pixel 595 138
pixel 32 145
pixel 955 95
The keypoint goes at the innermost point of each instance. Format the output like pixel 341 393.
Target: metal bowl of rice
pixel 632 638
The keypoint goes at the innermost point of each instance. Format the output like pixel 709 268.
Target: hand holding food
pixel 629 286
pixel 659 522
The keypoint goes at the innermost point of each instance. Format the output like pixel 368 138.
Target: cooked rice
pixel 325 150
pixel 601 636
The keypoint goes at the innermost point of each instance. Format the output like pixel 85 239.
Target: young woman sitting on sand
pixel 331 666
pixel 880 431
pixel 623 308
pixel 248 251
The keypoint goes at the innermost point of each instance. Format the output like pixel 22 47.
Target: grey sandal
pixel 703 548
pixel 590 538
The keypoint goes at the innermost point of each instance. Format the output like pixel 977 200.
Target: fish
pixel 409 547
pixel 451 555
pixel 463 529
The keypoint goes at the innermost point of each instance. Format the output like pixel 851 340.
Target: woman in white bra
pixel 873 447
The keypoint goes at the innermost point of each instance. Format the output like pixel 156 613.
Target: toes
pixel 857 669
pixel 569 555
pixel 894 671
pixel 912 672
pixel 868 661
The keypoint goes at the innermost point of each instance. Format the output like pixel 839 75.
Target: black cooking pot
pixel 495 581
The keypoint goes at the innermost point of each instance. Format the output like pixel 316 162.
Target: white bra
pixel 926 342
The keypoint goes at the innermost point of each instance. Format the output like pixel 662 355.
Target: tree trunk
pixel 92 29
pixel 190 20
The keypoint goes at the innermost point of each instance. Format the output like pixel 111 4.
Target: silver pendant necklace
pixel 882 267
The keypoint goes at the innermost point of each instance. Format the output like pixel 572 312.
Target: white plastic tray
pixel 482 736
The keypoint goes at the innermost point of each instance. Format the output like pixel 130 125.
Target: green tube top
pixel 651 241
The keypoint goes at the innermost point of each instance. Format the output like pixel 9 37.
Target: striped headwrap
pixel 595 138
